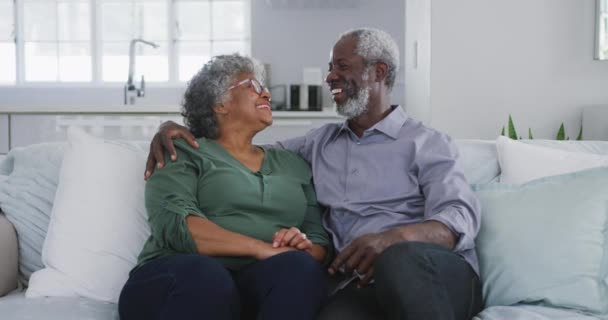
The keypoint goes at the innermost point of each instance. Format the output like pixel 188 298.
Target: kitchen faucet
pixel 131 92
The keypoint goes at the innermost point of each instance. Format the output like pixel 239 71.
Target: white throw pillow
pixel 98 224
pixel 521 162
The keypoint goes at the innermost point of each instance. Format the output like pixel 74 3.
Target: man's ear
pixel 381 71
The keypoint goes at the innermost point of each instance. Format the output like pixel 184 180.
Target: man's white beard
pixel 354 107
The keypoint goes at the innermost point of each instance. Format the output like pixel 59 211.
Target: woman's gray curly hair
pixel 209 87
pixel 374 46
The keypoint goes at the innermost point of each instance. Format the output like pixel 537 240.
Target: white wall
pixel 530 58
pixel 290 38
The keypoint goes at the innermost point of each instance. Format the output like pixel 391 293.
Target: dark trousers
pixel 413 281
pixel 291 285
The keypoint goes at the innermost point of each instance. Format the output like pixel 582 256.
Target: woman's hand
pixel 163 143
pixel 291 237
pixel 267 251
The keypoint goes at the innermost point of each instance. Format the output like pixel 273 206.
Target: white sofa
pixel 481 168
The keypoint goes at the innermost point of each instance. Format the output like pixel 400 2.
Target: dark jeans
pixel 291 285
pixel 414 281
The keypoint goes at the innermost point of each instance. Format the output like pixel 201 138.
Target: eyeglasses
pixel 255 85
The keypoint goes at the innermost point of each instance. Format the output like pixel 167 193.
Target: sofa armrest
pixel 8 256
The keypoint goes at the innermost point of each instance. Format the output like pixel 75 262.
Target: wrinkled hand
pixel 361 254
pixel 291 237
pixel 163 142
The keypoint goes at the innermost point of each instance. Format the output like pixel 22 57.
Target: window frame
pixel 97 53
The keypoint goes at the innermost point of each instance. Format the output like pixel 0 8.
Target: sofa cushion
pixel 26 197
pixel 16 307
pixel 594 147
pixel 479 160
pixel 98 224
pixel 543 242
pixel 530 312
pixel 520 162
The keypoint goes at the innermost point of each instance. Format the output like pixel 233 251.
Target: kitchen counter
pixel 21 126
pixel 165 110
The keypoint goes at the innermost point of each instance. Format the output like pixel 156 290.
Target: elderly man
pixel 401 214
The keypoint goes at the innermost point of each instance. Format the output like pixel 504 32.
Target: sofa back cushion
pixel 26 197
pixel 479 160
pixel 544 242
pixel 98 223
pixel 521 162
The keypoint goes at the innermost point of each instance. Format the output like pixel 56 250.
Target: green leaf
pixel 530 134
pixel 512 132
pixel 580 134
pixel 561 134
pixel 502 132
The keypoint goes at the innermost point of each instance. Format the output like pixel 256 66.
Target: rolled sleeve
pixel 449 198
pixel 171 197
pixel 312 225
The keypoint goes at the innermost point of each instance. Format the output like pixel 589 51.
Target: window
pixel 87 41
pixel 208 28
pixel 57 40
pixel 123 21
pixel 8 64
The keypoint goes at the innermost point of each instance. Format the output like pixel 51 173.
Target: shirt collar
pixel 390 126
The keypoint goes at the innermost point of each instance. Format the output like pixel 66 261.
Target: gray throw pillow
pixel 26 197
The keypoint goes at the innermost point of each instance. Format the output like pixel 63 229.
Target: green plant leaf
pixel 561 133
pixel 502 132
pixel 530 134
pixel 512 132
pixel 580 134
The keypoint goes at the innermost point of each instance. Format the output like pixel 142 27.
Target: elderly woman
pixel 235 228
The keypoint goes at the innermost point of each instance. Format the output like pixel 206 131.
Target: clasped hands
pixel 358 256
pixel 293 238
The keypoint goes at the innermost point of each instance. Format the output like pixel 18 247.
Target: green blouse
pixel 209 182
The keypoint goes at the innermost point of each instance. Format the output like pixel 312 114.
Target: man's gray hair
pixel 374 46
pixel 209 88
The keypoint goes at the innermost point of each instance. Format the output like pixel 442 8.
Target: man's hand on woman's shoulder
pixel 163 143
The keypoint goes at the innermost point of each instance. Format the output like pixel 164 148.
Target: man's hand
pixel 291 237
pixel 362 252
pixel 163 142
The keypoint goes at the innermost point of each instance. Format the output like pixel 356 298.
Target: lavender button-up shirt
pixel 399 172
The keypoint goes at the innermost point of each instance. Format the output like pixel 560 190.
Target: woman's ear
pixel 220 109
